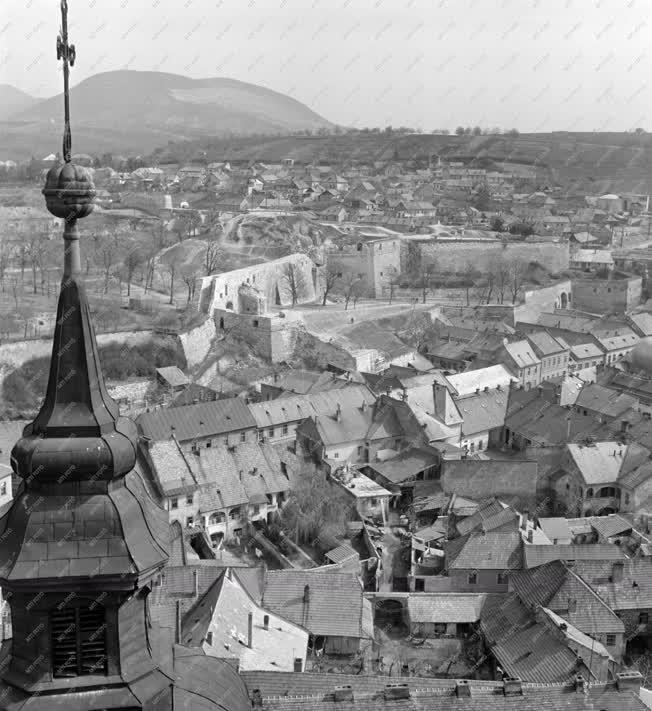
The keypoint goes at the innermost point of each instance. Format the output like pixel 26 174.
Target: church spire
pixel 78 420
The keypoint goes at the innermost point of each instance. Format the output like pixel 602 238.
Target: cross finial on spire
pixel 66 52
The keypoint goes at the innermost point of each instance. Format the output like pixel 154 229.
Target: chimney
pixel 250 630
pixel 512 686
pixel 462 689
pixel 477 391
pixel 629 681
pixel 256 698
pixel 572 605
pixel 306 595
pixel 343 693
pixel 394 692
pixel 404 395
pixel 338 412
pixel 266 622
pixel 617 572
pixel 195 583
pixel 580 684
pixel 177 630
pixel 530 536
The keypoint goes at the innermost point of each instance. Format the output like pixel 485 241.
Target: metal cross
pixel 66 52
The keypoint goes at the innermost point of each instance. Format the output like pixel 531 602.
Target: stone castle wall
pixel 456 256
pixel 197 342
pixel 607 295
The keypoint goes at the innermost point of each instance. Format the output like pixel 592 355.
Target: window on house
pixel 3 488
pixel 190 520
pixel 501 578
pixel 284 430
pixel 243 436
pixel 589 492
pixel 209 444
pixel 643 618
pixel 473 577
pixel 359 450
pixel 209 638
pixel 174 503
pixel 234 514
pixel 270 432
pixel 419 585
pixel 472 447
pixel 298 664
pixel 78 638
pixel 189 499
pixel 261 436
pixel 255 509
pixel 255 323
pixel 611 640
pixel 480 445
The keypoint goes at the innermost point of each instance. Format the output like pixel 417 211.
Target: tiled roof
pixel 335 604
pixel 445 607
pixel 171 468
pixel 606 462
pixel 484 411
pixel 484 478
pixel 536 555
pixel 299 407
pixel 342 553
pixel 623 595
pixel 496 550
pixel 314 692
pixel 558 588
pixel 466 383
pixel 486 510
pixel 173 375
pixel 604 400
pixel 555 528
pixel 406 465
pixel 611 525
pixel 523 647
pixel 203 420
pixel 545 344
pixel 522 354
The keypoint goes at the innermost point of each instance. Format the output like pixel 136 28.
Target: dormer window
pixel 78 637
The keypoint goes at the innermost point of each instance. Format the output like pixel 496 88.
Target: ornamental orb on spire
pixel 69 191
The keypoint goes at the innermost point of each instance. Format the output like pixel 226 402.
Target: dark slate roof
pixel 536 554
pixel 200 420
pixel 122 533
pixel 604 400
pixel 484 411
pixel 485 510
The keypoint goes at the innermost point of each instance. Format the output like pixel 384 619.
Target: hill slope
pixel 13 100
pixel 136 111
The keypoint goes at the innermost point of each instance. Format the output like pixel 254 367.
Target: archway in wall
pixel 388 615
pixel 607 511
pixel 564 300
pixel 277 296
pixel 229 305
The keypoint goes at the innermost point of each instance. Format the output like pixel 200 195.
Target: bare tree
pixel 5 258
pixel 134 258
pixel 331 277
pixel 517 271
pixel 392 278
pixel 352 284
pixel 424 280
pixel 171 268
pixel 35 248
pixel 213 256
pixel 190 280
pixel 501 269
pixel 294 280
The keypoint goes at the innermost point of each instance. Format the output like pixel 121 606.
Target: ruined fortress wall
pixel 607 295
pixel 197 342
pixel 220 291
pixel 270 337
pixel 456 256
pixel 538 301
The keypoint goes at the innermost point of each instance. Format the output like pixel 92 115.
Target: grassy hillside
pixel 129 110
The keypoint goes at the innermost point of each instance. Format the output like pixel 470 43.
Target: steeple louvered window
pixel 78 637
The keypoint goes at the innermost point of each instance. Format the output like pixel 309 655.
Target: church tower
pixel 83 541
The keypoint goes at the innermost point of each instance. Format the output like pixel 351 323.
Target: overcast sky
pixel 535 65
